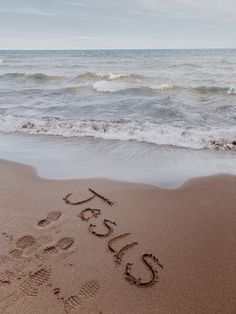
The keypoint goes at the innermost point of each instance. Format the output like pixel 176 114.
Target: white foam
pixel 161 87
pixel 231 90
pixel 108 86
pixel 113 76
pixel 110 76
pixel 219 139
pixel 111 86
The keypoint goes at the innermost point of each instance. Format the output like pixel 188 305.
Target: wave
pixel 210 89
pixel 106 86
pixel 205 89
pixel 44 77
pixel 91 76
pixel 15 75
pixel 117 85
pixel 231 90
pixel 125 130
pixel 226 61
pixel 112 87
pixel 40 77
pixel 112 82
pixel 74 89
pixel 102 86
pixel 156 88
pixel 83 77
pixel 185 65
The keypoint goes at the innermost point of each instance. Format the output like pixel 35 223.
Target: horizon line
pixel 121 49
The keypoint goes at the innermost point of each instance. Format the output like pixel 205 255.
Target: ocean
pixel 130 109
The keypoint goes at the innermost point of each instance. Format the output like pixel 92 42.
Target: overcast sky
pixel 117 24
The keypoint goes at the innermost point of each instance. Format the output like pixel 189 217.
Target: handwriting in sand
pixel 109 226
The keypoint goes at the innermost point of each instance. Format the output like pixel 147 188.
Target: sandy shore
pixel 60 258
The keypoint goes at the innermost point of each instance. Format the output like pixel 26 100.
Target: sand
pixel 177 253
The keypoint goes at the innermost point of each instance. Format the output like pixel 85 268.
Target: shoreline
pixel 60 158
pixel 53 260
pixel 34 172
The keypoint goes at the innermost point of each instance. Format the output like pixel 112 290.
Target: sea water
pixel 140 115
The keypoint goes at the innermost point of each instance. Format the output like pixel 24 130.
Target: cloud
pixel 85 37
pixel 97 24
pixel 220 7
pixel 80 4
pixel 24 10
pixel 188 8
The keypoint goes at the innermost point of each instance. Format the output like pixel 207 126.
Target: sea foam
pixel 147 132
pixel 181 98
pixel 107 86
pixel 231 90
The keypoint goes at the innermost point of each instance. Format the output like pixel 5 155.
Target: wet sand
pixel 124 248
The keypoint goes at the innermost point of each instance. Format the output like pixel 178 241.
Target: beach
pixel 118 181
pixel 118 157
pixel 62 257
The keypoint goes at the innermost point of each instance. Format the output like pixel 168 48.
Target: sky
pixel 117 24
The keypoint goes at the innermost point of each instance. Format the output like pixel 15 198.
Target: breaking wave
pixel 217 139
pixel 109 77
pixel 231 90
pixel 106 86
pixel 114 82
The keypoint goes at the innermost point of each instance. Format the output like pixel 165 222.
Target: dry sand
pixel 54 261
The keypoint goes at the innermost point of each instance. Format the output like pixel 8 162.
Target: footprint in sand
pixel 22 244
pixel 5 278
pixel 19 259
pixel 62 245
pixel 87 291
pixel 52 216
pixel 16 253
pixel 25 242
pixel 41 241
pixel 9 237
pixel 4 259
pixel 28 288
